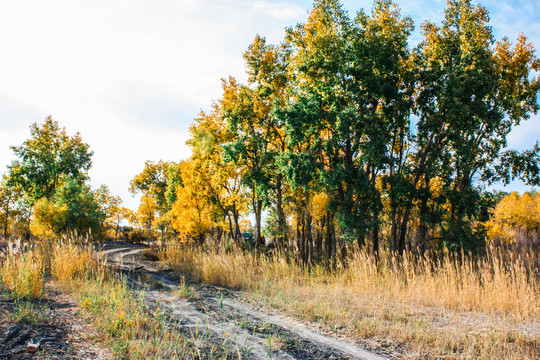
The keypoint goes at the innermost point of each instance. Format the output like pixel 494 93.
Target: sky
pixel 131 76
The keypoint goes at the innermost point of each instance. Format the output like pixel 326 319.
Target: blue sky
pixel 131 75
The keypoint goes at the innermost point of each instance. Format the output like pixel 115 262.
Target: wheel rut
pixel 216 314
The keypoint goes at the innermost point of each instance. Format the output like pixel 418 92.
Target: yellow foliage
pixel 318 205
pixel 191 214
pixel 516 218
pixel 245 225
pixel 436 186
pixel 210 187
pixel 47 218
pixel 146 213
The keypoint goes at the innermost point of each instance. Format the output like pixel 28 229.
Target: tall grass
pixel 430 303
pixel 500 281
pixel 70 261
pixel 22 272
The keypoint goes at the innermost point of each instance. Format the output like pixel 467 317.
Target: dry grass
pixel 70 261
pixel 453 306
pixel 132 329
pixel 22 272
pixel 501 282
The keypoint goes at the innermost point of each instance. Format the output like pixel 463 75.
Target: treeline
pixel 344 133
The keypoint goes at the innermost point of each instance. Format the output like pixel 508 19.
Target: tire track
pixel 216 314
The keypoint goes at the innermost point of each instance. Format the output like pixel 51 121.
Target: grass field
pixel 451 306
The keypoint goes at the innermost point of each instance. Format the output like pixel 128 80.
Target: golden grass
pixel 132 330
pixel 70 261
pixel 456 306
pixel 500 282
pixel 22 272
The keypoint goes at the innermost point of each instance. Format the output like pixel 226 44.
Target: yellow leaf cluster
pixel 516 219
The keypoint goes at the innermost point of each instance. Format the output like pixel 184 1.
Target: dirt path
pixel 219 316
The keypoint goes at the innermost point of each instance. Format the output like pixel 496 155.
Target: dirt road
pixel 220 316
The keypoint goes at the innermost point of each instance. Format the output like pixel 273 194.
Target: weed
pixel 185 291
pixel 30 312
pixel 71 261
pixel 221 301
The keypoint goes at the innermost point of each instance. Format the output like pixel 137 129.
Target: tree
pixel 72 208
pixel 516 219
pixel 470 95
pixel 46 158
pixel 268 68
pixel 344 133
pixel 147 212
pixel 112 208
pixel 221 179
pixel 192 214
pixel 10 196
pixel 348 101
pixel 157 183
pixel 153 181
pixel 246 115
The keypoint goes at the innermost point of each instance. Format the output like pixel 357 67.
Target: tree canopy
pixel 344 132
pixel 48 156
pixel 46 189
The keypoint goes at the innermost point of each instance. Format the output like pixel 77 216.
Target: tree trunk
pixel 393 231
pixel 236 218
pixel 403 230
pixel 361 239
pixel 299 241
pixel 320 238
pixel 258 237
pixel 376 235
pixel 6 212
pixel 231 229
pixel 330 245
pixel 282 221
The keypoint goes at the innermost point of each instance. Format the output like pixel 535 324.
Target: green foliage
pixel 153 181
pixel 173 182
pixel 74 207
pixel 47 157
pixel 344 132
pixel 46 186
